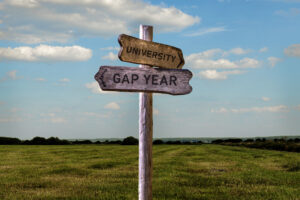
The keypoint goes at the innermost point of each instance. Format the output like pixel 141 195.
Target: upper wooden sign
pixel 139 51
pixel 135 79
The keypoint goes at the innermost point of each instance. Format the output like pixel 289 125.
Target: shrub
pixel 38 141
pixel 130 141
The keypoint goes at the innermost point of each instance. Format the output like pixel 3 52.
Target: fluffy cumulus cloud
pixel 214 60
pixel 206 31
pixel 239 51
pixel 95 88
pixel 273 61
pixel 46 53
pixel 110 56
pixel 293 50
pixel 36 21
pixel 110 48
pixel 112 106
pixel 273 109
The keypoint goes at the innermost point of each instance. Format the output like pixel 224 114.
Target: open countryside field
pixel 180 172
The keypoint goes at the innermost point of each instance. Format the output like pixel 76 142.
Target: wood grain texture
pixel 145 131
pixel 133 79
pixel 139 51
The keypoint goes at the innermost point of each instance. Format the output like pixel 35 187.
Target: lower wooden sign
pixel 133 79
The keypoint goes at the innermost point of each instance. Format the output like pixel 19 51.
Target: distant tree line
pixel 292 145
pixel 275 144
pixel 56 141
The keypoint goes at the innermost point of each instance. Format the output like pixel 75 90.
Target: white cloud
pixel 95 88
pixel 273 61
pixel 53 118
pixel 199 63
pixel 293 50
pixel 46 53
pixel 274 109
pixel 40 79
pixel 206 31
pixel 204 54
pixel 110 48
pixel 61 20
pixel 110 56
pixel 112 106
pixel 214 59
pixel 64 80
pixel 264 49
pixel 280 108
pixel 247 63
pixel 238 51
pixel 215 75
pixel 220 110
pixel 24 3
pixel 265 98
pixel 98 115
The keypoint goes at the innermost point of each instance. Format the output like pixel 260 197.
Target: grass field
pixel 180 172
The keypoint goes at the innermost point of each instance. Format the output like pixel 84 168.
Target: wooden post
pixel 145 131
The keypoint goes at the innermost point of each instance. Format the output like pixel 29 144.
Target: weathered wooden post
pixel 145 79
pixel 145 131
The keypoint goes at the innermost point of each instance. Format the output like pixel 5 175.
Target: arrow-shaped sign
pixel 139 51
pixel 133 79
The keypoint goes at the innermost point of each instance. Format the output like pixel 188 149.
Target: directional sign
pixel 133 79
pixel 139 51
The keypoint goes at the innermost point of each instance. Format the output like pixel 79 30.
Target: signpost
pixel 132 79
pixel 146 80
pixel 140 51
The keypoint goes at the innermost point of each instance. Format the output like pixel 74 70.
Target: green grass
pixel 180 172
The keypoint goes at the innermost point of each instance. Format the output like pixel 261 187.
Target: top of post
pixel 146 32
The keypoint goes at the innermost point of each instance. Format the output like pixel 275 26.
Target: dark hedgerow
pixel 8 140
pixel 158 142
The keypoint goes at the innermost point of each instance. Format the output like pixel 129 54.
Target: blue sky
pixel 244 55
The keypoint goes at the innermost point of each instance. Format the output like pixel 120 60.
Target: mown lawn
pixel 180 172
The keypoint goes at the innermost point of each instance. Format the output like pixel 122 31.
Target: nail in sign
pixel 139 51
pixel 133 79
